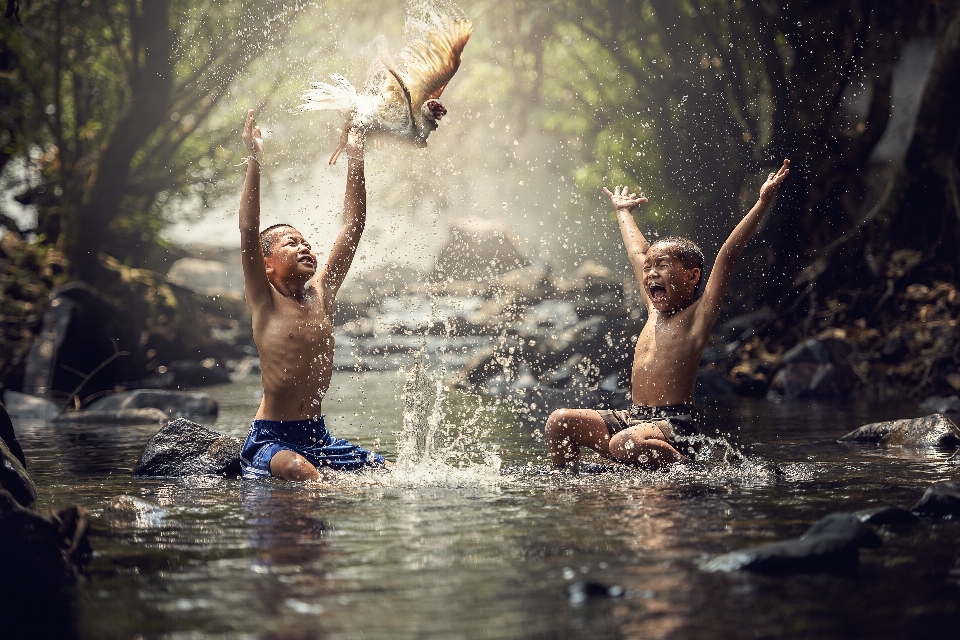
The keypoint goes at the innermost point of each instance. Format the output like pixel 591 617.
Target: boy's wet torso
pixel 295 342
pixel 666 358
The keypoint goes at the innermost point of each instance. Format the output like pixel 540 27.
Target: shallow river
pixel 477 551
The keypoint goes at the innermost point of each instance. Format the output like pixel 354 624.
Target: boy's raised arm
pixel 633 240
pixel 255 283
pixel 354 220
pixel 726 260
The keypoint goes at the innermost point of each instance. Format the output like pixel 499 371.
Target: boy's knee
pixel 292 466
pixel 558 420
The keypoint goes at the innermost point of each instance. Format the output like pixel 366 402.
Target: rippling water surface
pixel 485 545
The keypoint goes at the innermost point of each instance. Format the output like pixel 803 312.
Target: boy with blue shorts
pixel 293 328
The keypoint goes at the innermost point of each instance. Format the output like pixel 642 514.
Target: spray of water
pixel 432 451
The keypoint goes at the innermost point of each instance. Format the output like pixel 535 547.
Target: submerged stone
pixel 130 510
pixel 14 478
pixel 581 591
pixel 173 403
pixel 123 416
pixel 832 544
pixel 185 448
pixel 940 499
pixel 933 431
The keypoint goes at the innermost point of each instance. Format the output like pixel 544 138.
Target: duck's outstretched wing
pixel 431 61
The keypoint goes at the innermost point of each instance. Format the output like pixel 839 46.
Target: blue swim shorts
pixel 310 438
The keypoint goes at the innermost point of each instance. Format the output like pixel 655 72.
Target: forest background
pixel 119 122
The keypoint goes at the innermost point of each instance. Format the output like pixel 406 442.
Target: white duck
pixel 403 102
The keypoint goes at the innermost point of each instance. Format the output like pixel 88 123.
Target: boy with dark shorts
pixel 656 431
pixel 293 328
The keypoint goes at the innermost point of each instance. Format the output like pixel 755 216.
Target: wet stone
pixel 41 549
pixel 185 448
pixel 830 545
pixel 14 479
pixel 172 403
pixel 123 416
pixel 814 369
pixel 9 437
pixel 935 431
pixel 889 516
pixel 130 510
pixel 23 406
pixel 939 500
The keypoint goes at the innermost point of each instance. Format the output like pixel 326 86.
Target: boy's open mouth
pixel 306 260
pixel 658 293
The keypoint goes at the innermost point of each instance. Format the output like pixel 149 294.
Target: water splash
pixel 433 450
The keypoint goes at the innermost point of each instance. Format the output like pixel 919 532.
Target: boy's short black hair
pixel 266 237
pixel 686 250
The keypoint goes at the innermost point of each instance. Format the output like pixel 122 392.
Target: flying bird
pixel 399 101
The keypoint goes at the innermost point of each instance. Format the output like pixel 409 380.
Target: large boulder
pixel 14 478
pixel 174 403
pixel 477 250
pixel 832 544
pixel 940 499
pixel 815 368
pixel 935 431
pixel 185 448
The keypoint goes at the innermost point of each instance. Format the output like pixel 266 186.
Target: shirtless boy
pixel 655 430
pixel 293 328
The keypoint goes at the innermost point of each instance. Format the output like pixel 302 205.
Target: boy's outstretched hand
pixel 622 200
pixel 769 189
pixel 252 138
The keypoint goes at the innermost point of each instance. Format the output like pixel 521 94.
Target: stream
pixel 481 541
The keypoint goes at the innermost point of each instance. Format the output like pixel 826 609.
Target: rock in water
pixel 890 516
pixel 184 448
pixel 41 548
pixel 23 406
pixel 124 416
pixel 9 437
pixel 935 431
pixel 814 369
pixel 173 403
pixel 14 478
pixel 832 544
pixel 130 510
pixel 940 499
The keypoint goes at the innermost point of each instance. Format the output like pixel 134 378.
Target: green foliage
pixel 28 273
pixel 95 72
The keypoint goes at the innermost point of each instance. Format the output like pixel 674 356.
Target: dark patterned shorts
pixel 683 421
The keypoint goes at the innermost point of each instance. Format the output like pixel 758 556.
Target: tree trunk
pixel 151 87
pixel 923 209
